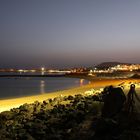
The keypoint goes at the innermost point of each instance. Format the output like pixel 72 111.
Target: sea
pixel 11 87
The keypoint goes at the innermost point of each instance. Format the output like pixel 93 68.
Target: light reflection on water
pixel 81 82
pixel 89 82
pixel 19 87
pixel 42 86
pixel 42 73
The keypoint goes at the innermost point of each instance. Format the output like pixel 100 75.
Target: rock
pixel 7 115
pixel 70 97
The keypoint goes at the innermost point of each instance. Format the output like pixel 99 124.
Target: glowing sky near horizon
pixel 64 33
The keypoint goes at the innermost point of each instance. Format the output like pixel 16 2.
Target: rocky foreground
pixel 68 118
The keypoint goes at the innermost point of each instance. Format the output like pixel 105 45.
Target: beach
pixel 7 104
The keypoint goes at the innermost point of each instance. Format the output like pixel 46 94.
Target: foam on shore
pixel 7 104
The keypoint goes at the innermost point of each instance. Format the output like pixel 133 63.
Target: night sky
pixel 68 33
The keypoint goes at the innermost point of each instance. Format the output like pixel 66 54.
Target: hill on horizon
pixel 106 65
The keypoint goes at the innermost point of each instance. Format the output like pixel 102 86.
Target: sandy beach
pixel 7 104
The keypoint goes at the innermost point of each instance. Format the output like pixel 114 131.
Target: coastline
pixel 7 104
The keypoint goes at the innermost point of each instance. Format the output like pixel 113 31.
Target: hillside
pixel 106 65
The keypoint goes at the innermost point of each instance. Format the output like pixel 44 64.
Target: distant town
pixel 106 69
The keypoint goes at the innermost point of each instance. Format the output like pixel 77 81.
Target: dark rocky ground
pixel 67 118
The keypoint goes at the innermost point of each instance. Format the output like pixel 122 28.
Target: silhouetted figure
pixel 114 99
pixel 130 103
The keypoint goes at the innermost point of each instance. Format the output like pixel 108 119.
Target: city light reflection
pixel 82 82
pixel 42 86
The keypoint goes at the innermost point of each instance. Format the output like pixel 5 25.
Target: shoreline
pixel 7 104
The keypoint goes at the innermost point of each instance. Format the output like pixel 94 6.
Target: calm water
pixel 18 87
